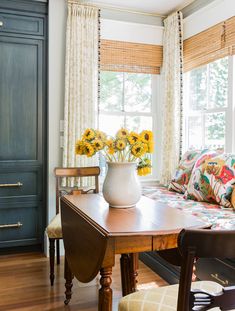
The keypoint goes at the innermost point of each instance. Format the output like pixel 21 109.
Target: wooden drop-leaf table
pixel 94 233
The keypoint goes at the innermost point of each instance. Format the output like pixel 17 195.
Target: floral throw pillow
pixel 212 179
pixel 183 172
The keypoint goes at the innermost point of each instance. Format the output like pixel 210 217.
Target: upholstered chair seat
pixel 162 298
pixel 54 229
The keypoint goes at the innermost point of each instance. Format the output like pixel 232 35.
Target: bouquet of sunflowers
pixel 124 147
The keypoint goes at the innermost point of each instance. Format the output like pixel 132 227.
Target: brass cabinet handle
pixel 215 276
pixel 1 23
pixel 17 225
pixel 18 184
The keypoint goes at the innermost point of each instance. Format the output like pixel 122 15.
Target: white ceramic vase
pixel 121 188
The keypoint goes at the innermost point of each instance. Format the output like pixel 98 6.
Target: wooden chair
pixel 54 229
pixel 202 295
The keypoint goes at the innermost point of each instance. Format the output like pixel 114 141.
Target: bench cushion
pixel 217 216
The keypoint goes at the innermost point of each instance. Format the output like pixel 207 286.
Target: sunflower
pixel 142 171
pixel 100 135
pixel 139 149
pixel 109 143
pixel 122 133
pixel 120 144
pixel 150 147
pixel 79 147
pixel 133 138
pixel 97 144
pixel 89 151
pixel 89 134
pixel 146 136
pixel 111 150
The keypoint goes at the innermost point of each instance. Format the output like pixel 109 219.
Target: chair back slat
pixel 77 171
pixel 208 243
pixel 80 172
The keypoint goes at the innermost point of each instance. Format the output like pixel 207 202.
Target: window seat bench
pixel 222 271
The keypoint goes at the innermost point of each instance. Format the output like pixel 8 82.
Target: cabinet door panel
pixel 19 225
pixel 19 104
pixel 23 96
pixel 22 24
pixel 18 184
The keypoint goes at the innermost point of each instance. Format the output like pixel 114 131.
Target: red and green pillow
pixel 212 179
pixel 183 172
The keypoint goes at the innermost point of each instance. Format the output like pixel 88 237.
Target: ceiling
pixel 163 7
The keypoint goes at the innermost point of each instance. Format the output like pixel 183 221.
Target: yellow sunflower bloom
pixel 111 150
pixel 79 147
pixel 133 138
pixel 150 147
pixel 122 133
pixel 138 150
pixel 101 135
pixel 140 171
pixel 143 171
pixel 97 144
pixel 120 144
pixel 109 143
pixel 89 151
pixel 146 136
pixel 89 134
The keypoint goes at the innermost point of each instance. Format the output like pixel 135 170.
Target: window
pixel 207 107
pixel 125 101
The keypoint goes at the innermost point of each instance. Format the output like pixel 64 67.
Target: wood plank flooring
pixel 24 285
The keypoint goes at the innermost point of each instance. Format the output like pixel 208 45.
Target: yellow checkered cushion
pixel 54 229
pixel 162 298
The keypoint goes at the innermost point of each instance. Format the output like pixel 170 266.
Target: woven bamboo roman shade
pixel 130 57
pixel 209 45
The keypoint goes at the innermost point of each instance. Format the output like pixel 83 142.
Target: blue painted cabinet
pixel 23 85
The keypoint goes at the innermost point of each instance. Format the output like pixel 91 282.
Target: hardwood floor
pixel 25 286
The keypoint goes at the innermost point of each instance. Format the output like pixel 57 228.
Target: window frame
pixel 153 113
pixel 229 111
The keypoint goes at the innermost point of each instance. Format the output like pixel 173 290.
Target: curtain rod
pixel 114 8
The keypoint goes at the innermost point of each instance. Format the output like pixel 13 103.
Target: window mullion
pixel 229 133
pixel 123 98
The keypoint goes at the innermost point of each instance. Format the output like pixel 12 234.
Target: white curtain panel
pixel 81 81
pixel 172 97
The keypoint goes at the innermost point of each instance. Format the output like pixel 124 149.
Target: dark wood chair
pixel 54 229
pixel 188 295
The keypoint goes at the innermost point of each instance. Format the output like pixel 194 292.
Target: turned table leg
pixel 68 281
pixel 129 266
pixel 134 261
pixel 105 292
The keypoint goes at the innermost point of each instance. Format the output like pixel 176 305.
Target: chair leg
pixel 58 252
pixel 52 259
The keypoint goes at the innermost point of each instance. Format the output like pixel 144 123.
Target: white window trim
pixel 229 111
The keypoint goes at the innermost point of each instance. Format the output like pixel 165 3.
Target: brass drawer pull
pixel 18 184
pixel 215 276
pixel 1 23
pixel 18 225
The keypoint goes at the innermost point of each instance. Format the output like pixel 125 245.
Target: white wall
pixel 131 32
pixel 208 16
pixel 57 26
